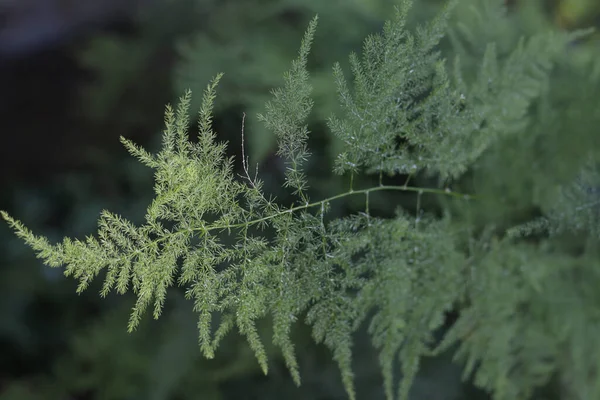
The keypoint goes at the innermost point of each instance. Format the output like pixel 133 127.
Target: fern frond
pixel 404 107
pixel 287 113
pixel 399 275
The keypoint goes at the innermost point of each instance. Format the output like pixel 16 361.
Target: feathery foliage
pixel 406 114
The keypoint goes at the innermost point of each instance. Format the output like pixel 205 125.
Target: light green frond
pixel 138 152
pixel 206 135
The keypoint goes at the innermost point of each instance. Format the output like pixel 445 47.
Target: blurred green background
pixel 64 103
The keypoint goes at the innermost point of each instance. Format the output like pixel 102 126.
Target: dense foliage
pixel 509 240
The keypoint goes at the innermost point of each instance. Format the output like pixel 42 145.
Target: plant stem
pixel 351 192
